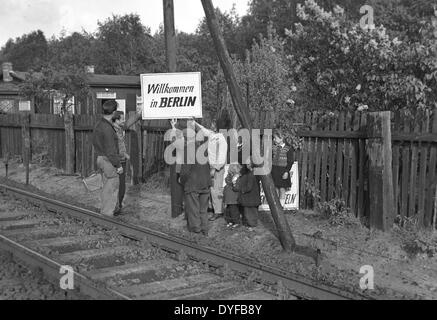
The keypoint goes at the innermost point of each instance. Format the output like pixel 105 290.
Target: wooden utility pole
pixel 170 35
pixel 285 235
pixel 176 189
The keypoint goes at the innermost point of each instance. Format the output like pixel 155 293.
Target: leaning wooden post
pixel 285 235
pixel 25 134
pixel 70 147
pixel 379 153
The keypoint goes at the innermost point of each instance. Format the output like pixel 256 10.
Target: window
pixel 7 106
pixel 57 104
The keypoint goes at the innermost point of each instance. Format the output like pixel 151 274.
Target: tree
pixel 124 46
pixel 77 49
pixel 337 65
pixel 65 83
pixel 26 52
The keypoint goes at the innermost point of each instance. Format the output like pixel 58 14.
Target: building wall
pixel 127 94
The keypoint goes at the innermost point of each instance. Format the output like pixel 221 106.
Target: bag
pixel 93 182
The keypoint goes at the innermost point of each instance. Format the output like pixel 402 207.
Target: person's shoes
pixel 230 225
pixel 117 212
pixel 205 233
pixel 235 226
pixel 214 217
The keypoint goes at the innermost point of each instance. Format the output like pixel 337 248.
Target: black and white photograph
pixel 223 158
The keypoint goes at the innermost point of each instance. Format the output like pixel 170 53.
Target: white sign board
pixel 121 105
pixel 291 200
pixel 107 95
pixel 171 95
pixel 24 106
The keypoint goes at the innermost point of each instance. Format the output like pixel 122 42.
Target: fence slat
pixel 431 183
pixel 354 165
pixel 361 170
pixel 396 168
pixel 340 150
pixel 324 164
pixel 405 170
pixel 346 164
pixel 317 155
pixel 312 148
pixel 332 153
pixel 310 151
pixel 423 164
pixel 413 176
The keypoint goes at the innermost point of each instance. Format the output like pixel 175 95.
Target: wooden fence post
pixel 70 148
pixel 379 152
pixel 136 150
pixel 25 135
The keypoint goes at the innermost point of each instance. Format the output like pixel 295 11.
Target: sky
pixel 52 16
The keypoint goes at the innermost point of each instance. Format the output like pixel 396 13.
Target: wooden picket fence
pixel 333 159
pixel 145 143
pixel 333 162
pixel 414 165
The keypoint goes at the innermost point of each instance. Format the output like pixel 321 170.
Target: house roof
pixel 8 88
pixel 102 80
pixel 95 80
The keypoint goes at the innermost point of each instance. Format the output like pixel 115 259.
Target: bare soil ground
pixel 404 262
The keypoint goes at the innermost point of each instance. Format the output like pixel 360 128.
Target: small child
pixel 230 197
pixel 249 195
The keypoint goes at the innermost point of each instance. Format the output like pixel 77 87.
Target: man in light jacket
pixel 217 156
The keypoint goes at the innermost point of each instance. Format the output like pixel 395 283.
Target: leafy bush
pixel 265 73
pixel 312 194
pixel 338 65
pixel 337 212
pixel 415 241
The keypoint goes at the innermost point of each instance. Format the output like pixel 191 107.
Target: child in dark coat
pixel 249 195
pixel 230 197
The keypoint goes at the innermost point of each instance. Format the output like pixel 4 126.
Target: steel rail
pixel 52 269
pixel 298 285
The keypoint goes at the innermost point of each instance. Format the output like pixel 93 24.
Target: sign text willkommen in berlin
pixel 171 95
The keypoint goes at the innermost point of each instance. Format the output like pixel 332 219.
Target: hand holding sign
pixel 173 123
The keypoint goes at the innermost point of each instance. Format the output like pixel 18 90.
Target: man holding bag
pixel 105 142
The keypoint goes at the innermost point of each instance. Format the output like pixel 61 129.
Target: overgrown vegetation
pixel 337 212
pixel 296 55
pixel 40 152
pixel 415 241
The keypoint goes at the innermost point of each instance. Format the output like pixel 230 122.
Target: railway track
pixel 109 274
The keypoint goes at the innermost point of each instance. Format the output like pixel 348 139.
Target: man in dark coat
pixel 105 142
pixel 196 180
